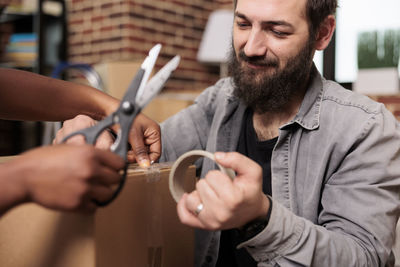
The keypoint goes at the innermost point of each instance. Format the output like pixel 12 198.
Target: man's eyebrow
pixel 267 23
pixel 277 23
pixel 240 15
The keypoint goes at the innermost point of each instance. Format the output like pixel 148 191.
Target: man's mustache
pixel 258 60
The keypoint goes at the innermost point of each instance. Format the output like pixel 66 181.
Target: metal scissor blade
pixel 135 89
pixel 148 65
pixel 155 85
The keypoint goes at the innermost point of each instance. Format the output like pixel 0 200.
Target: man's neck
pixel 266 125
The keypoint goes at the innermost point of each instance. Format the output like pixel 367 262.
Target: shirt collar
pixel 310 109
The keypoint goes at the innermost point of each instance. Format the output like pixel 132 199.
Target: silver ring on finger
pixel 199 208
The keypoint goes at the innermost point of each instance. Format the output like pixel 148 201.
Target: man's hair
pixel 317 11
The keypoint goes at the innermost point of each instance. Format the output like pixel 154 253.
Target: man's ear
pixel 325 32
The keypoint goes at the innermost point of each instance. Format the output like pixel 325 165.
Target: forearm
pixel 12 191
pixel 289 239
pixel 28 96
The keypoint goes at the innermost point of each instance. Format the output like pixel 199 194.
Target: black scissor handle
pixel 116 192
pixel 91 134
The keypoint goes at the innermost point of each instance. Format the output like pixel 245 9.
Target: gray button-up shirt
pixel 335 175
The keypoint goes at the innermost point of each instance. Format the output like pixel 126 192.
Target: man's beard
pixel 271 91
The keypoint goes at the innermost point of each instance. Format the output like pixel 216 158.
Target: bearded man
pixel 317 166
pixel 327 155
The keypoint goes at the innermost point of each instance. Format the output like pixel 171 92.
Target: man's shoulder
pixel 223 86
pixel 339 98
pixel 221 90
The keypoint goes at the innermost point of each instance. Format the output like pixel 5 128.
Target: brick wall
pixel 107 30
pixel 225 4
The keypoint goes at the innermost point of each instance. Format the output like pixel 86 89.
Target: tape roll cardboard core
pixel 179 168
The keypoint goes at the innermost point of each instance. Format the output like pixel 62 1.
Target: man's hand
pixel 145 137
pixel 63 177
pixel 226 203
pixel 80 122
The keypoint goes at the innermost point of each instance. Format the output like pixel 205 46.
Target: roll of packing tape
pixel 178 171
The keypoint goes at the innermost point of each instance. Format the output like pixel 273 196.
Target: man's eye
pixel 242 24
pixel 279 33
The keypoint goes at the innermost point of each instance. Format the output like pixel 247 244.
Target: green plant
pixel 378 49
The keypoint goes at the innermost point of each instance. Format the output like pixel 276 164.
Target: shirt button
pixel 209 259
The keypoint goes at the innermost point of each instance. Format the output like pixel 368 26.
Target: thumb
pixel 139 149
pixel 244 167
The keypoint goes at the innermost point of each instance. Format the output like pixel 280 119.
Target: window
pixel 355 17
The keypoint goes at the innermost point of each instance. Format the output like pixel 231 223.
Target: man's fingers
pixel 153 140
pixel 76 140
pixel 207 194
pixel 145 139
pixel 131 156
pixel 140 149
pixel 100 193
pixel 192 201
pixel 187 216
pixel 104 141
pixel 239 163
pixel 155 151
pixel 90 206
pixel 220 183
pixel 110 159
pixel 87 206
pixel 107 176
pixel 69 126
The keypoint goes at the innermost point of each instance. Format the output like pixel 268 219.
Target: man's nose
pixel 256 44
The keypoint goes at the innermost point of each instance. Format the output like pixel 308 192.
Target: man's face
pixel 272 51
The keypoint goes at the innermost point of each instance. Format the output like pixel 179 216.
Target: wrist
pixel 20 174
pixel 101 104
pixel 13 189
pixel 111 106
pixel 256 226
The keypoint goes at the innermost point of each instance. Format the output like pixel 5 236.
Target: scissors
pixel 137 96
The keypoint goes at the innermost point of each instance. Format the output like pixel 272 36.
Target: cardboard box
pixel 117 76
pixel 167 104
pixel 140 228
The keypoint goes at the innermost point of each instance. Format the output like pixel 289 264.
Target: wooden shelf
pixel 50 14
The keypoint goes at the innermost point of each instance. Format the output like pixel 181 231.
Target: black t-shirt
pixel 260 152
